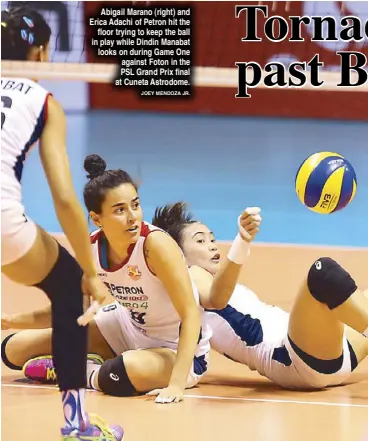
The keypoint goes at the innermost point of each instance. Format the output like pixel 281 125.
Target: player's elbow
pixel 220 295
pixel 218 303
pixel 205 301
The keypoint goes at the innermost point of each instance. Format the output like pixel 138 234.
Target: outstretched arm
pixel 215 292
pixel 38 319
pixel 166 261
pixel 55 162
pixel 69 211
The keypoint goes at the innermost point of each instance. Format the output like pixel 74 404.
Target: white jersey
pixel 23 115
pixel 244 324
pixel 256 334
pixel 135 288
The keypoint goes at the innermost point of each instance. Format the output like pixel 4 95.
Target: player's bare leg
pixel 317 324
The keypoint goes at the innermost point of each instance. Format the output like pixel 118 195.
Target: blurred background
pixel 217 153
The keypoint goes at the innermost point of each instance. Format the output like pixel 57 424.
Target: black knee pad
pixel 69 340
pixel 329 283
pixel 66 274
pixel 113 379
pixel 4 357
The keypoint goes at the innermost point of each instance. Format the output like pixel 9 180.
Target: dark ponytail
pixel 22 28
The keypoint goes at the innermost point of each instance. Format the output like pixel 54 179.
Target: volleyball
pixel 326 182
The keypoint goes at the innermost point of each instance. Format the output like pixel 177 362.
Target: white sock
pixel 92 370
pixel 73 406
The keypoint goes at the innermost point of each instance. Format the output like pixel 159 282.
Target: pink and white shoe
pixel 42 369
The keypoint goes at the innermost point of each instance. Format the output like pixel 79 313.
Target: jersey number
pixel 6 104
pixel 138 317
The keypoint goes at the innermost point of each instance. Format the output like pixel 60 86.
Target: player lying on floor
pixel 307 349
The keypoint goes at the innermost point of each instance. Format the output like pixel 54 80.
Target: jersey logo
pixel 109 308
pixel 138 317
pixel 133 272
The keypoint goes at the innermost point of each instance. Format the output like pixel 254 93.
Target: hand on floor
pixel 171 394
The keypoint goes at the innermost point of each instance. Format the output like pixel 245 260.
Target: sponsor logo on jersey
pixel 127 290
pixel 133 272
pixel 109 308
pixel 132 298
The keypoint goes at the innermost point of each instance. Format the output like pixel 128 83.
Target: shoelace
pixel 51 374
pixel 102 425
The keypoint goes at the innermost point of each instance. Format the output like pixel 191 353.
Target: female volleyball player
pixel 311 347
pixel 156 306
pixel 29 255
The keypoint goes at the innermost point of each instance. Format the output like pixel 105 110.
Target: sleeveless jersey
pixel 138 290
pixel 247 330
pixel 23 116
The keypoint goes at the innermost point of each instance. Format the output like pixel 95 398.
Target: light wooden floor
pixel 233 403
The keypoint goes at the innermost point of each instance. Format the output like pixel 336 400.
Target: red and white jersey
pixel 23 116
pixel 138 290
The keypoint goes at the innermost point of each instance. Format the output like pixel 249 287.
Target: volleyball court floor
pixel 232 402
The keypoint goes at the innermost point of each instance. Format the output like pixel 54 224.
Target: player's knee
pixel 6 355
pixel 113 378
pixel 64 293
pixel 56 286
pixel 329 283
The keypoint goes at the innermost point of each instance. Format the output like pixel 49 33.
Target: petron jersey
pixel 138 290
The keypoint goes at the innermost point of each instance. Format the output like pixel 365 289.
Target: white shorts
pixel 308 372
pixel 18 232
pixel 121 335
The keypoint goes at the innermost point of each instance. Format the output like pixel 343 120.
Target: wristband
pixel 239 250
